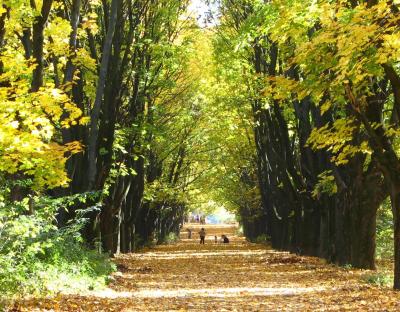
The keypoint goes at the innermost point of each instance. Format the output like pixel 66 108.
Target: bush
pixel 171 238
pixel 239 231
pixel 36 257
pixel 262 239
pixel 384 232
pixel 379 279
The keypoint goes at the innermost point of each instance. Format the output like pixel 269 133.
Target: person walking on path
pixel 202 234
pixel 189 233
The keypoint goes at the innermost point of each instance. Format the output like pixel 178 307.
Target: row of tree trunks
pixel 123 51
pixel 339 227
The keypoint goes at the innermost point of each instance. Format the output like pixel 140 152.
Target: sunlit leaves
pixel 326 184
pixel 31 121
pixel 58 30
pixel 338 138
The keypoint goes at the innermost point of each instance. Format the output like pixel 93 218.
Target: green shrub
pixel 380 279
pixel 384 232
pixel 36 257
pixel 239 231
pixel 262 239
pixel 171 238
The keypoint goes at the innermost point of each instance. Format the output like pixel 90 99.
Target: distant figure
pixel 197 218
pixel 202 234
pixel 189 233
pixel 215 239
pixel 224 239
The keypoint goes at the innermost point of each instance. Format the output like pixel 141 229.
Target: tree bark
pixel 94 122
pixel 70 67
pixel 38 42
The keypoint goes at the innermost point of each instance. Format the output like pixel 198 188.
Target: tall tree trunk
pixel 94 121
pixel 395 200
pixel 369 193
pixel 392 179
pixel 38 42
pixel 74 21
pixel 3 17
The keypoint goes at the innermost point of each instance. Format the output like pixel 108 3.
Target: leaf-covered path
pixel 239 276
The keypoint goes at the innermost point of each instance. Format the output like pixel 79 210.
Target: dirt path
pixel 226 277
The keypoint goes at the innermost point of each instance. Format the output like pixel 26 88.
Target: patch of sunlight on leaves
pixel 210 292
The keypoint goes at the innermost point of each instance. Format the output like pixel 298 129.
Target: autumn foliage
pixel 120 118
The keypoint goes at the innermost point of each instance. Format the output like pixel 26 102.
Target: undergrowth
pixel 384 232
pixel 262 239
pixel 171 238
pixel 38 258
pixel 378 278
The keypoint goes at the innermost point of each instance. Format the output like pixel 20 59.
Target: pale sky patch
pixel 200 10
